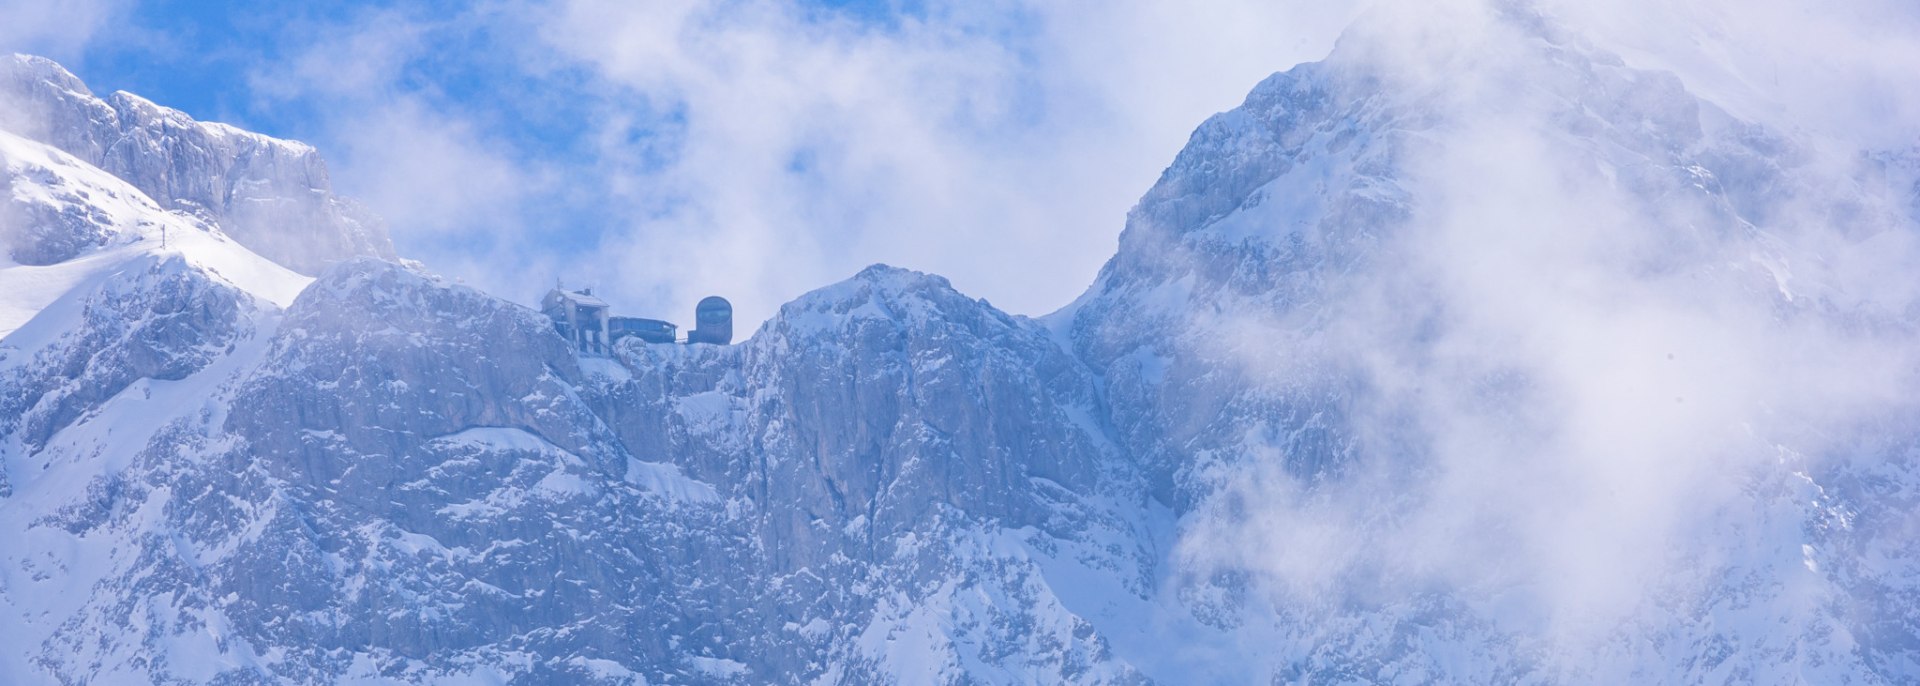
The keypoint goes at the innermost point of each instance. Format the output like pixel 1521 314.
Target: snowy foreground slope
pixel 1499 361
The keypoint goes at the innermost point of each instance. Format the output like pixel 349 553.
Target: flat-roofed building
pixel 649 330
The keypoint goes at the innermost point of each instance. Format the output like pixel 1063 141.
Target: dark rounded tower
pixel 712 321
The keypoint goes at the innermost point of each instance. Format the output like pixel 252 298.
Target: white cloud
pixel 762 148
pixel 1000 143
pixel 1584 396
pixel 428 171
pixel 448 186
pixel 1845 69
pixel 61 30
pixel 996 143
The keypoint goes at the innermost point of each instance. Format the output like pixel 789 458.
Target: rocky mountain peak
pixel 1449 370
pixel 899 299
pixel 273 196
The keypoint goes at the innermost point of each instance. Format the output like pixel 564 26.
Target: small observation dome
pixel 712 321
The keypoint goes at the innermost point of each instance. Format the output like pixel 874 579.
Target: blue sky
pixel 200 55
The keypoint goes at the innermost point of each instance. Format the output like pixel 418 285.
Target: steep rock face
pixel 936 450
pixel 430 360
pixel 100 373
pixel 1346 296
pixel 450 513
pixel 1870 553
pixel 53 230
pixel 462 452
pixel 460 497
pixel 1261 213
pixel 1283 215
pixel 47 103
pixel 899 450
pixel 900 396
pixel 165 321
pixel 103 310
pixel 1308 201
pixel 273 196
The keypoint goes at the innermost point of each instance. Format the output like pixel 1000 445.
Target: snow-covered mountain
pixel 271 195
pixel 1457 357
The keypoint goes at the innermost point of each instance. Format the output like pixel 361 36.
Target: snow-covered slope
pixel 122 318
pixel 64 219
pixel 1471 354
pixel 113 288
pixel 271 195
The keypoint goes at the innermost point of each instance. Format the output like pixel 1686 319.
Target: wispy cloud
pixel 61 30
pixel 997 143
pixel 452 184
pixel 1607 359
pixel 1842 69
pixel 761 148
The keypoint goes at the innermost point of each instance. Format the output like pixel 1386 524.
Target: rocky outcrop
pixel 164 322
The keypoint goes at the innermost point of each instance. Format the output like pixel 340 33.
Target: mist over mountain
pixel 1475 352
pixel 273 196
